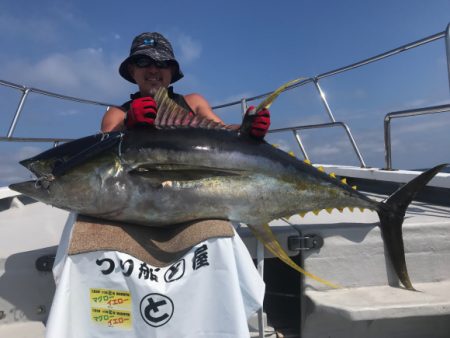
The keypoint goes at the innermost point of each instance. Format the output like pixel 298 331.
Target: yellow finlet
pixel 291 153
pixel 321 169
pixel 329 210
pixel 302 214
pixel 316 212
pixel 307 161
pixel 344 180
pixel 265 235
pixel 333 175
pixel 340 209
pixel 351 209
pixel 276 145
pixel 361 209
pixel 354 187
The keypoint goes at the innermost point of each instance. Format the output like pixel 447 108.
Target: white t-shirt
pixel 210 292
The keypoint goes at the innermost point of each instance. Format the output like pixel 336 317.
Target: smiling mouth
pixel 153 79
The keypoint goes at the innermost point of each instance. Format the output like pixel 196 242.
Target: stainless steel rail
pixel 315 80
pixel 361 63
pixel 319 126
pixel 401 114
pixel 27 90
pixel 243 102
pixel 35 139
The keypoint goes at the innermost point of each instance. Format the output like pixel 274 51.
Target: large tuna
pixel 172 174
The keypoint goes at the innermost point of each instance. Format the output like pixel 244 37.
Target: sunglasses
pixel 147 62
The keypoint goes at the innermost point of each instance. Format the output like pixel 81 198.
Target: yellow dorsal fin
pixel 344 180
pixel 333 175
pixel 307 161
pixel 266 236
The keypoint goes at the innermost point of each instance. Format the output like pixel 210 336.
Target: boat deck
pixel 370 302
pixel 353 256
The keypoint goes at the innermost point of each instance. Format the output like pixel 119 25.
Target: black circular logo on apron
pixel 156 309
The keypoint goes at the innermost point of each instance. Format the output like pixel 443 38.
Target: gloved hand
pixel 256 124
pixel 142 113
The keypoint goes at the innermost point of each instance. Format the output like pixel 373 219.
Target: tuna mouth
pixel 29 188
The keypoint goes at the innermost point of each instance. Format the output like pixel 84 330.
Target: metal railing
pixel 295 130
pixel 243 102
pixel 25 93
pixel 315 80
pixel 402 114
pixel 445 34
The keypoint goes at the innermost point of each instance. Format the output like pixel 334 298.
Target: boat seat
pixel 382 302
pixel 353 256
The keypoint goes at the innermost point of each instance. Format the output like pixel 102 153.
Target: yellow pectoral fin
pixel 265 235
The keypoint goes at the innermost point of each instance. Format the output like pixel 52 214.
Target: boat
pixel 342 247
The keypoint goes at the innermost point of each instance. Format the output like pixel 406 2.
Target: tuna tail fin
pixel 392 213
pixel 266 236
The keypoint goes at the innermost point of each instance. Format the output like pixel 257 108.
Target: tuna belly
pixel 252 199
pixel 175 201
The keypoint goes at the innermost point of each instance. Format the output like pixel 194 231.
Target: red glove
pixel 142 113
pixel 256 124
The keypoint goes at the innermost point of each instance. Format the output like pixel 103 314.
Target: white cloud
pixel 190 48
pixel 26 30
pixel 281 144
pixel 422 126
pixel 26 152
pixel 10 170
pixel 87 73
pixel 326 150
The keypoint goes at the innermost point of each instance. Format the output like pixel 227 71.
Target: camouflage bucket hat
pixel 156 47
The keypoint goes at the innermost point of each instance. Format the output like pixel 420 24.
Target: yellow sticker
pixel 112 318
pixel 111 299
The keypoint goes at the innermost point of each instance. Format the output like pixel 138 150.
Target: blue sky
pixel 229 50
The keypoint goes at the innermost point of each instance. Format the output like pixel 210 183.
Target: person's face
pixel 150 76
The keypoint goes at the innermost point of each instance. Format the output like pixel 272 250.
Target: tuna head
pixel 77 189
pixel 71 179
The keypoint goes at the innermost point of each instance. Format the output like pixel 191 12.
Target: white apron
pixel 210 292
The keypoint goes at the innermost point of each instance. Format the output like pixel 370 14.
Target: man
pixel 195 279
pixel 151 65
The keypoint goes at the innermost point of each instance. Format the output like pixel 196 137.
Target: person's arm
pixel 113 120
pixel 201 107
pixel 254 124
